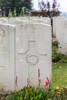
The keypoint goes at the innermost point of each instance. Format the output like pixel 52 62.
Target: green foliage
pixel 56 56
pixel 60 94
pixel 22 12
pixel 10 14
pixel 38 94
pixel 28 4
pixel 15 5
pixel 27 94
pixel 14 13
pixel 59 74
pixel 63 59
pixel 55 44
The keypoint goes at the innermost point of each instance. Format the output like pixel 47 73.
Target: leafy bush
pixel 60 94
pixel 56 56
pixel 39 94
pixel 27 94
pixel 64 59
pixel 55 43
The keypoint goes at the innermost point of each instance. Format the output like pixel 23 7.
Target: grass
pixel 59 68
pixel 59 74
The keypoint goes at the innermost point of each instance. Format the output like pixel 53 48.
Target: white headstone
pixel 57 21
pixel 7 63
pixel 27 49
pixel 3 20
pixel 36 19
pixel 54 26
pixel 33 52
pixel 63 36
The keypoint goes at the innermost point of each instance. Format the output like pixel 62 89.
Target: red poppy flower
pixel 46 83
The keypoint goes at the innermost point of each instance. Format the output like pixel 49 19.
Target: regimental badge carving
pixel 32 59
pixel 31 55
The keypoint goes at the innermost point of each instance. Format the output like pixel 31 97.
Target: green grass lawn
pixel 59 74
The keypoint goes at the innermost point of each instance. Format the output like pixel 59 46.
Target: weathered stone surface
pixel 7 66
pixel 29 49
pixel 60 28
pixel 56 27
pixel 3 20
pixel 33 51
pixel 63 36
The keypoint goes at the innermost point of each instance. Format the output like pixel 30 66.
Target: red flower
pixel 46 83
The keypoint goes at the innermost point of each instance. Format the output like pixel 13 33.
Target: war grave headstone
pixel 63 37
pixel 29 50
pixel 7 61
pixel 33 52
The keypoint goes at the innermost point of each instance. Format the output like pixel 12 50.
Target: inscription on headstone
pixel 33 51
pixel 24 48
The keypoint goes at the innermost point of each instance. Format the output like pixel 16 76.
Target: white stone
pixel 7 61
pixel 60 29
pixel 63 36
pixel 29 49
pixel 45 20
pixel 3 20
pixel 33 51
pixel 57 26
